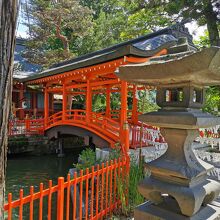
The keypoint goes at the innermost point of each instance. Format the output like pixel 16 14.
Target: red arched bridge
pixel 103 127
pixel 88 77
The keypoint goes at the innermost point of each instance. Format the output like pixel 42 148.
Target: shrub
pixel 87 159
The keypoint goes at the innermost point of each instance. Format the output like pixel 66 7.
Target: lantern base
pixel 189 199
pixel 169 210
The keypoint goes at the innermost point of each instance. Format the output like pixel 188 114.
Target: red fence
pixel 91 195
pixel 25 127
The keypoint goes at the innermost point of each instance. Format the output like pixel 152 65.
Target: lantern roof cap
pixel 200 68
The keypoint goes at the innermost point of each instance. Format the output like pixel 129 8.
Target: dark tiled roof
pixel 22 67
pixel 144 46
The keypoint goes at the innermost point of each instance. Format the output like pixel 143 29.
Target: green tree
pixel 203 41
pixel 203 11
pixel 54 29
pixel 117 21
pixel 212 103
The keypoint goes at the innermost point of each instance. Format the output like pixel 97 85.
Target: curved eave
pixel 201 68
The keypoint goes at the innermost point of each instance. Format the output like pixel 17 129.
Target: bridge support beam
pixel 61 147
pixel 124 130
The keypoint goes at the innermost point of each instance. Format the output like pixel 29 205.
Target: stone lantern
pixel 178 187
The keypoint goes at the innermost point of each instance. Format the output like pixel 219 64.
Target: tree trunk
pixel 62 37
pixel 212 27
pixel 8 18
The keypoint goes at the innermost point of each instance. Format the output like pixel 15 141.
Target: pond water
pixel 24 171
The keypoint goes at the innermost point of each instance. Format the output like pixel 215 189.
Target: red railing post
pixel 9 206
pixel 27 124
pixel 41 202
pixel 60 198
pixel 31 203
pixel 49 200
pixel 68 198
pixel 74 195
pixel 21 205
pixel 87 193
pixel 80 194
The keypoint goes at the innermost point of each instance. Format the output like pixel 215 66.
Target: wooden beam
pixel 94 84
pixel 92 71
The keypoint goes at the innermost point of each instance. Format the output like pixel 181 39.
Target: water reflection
pixel 24 171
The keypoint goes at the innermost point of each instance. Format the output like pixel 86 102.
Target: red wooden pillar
pixel 21 100
pixel 108 106
pixel 46 106
pixel 88 101
pixel 124 131
pixel 34 95
pixel 52 103
pixel 64 106
pixel 134 116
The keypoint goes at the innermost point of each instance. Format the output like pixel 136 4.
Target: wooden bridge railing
pixel 90 194
pixel 26 127
pixel 106 126
pixel 149 136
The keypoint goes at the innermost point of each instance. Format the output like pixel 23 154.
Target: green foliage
pixel 87 159
pixel 115 153
pixel 204 12
pixel 147 101
pixel 115 101
pixel 99 103
pixel 117 21
pixel 19 141
pixel 136 174
pixel 133 198
pixel 54 27
pixel 126 186
pixel 212 103
pixel 203 41
pixel 105 23
pixel 144 21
